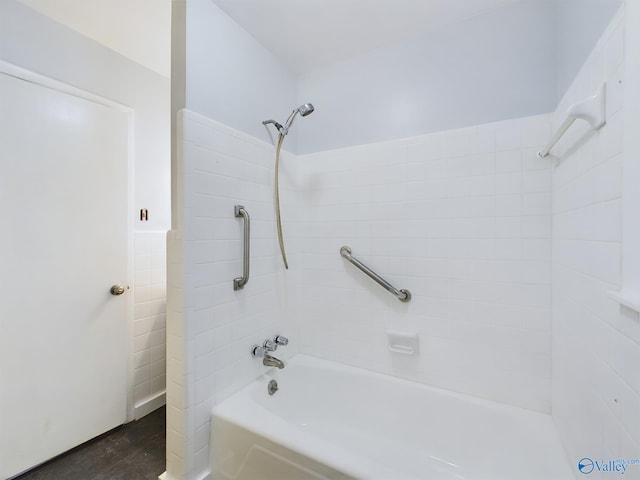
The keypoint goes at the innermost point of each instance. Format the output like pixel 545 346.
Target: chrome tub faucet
pixel 269 360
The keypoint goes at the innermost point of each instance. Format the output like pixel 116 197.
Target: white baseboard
pixel 164 476
pixel 149 404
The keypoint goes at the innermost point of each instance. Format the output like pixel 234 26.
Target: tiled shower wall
pixel 149 327
pixel 459 218
pixel 212 338
pixel 596 341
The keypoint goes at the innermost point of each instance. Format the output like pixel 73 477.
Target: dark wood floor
pixel 135 451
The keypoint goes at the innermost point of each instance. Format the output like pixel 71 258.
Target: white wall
pixel 520 62
pixel 459 218
pixel 497 66
pixel 631 180
pixel 231 78
pixel 221 168
pixel 596 341
pixel 222 159
pixel 477 264
pixel 37 43
pixel 149 322
pixel 137 29
pixel 580 24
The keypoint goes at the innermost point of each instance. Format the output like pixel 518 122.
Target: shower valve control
pixel 269 345
pixel 257 351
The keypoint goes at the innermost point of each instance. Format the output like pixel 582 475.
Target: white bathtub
pixel 332 421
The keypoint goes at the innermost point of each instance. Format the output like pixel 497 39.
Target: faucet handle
pixel 257 351
pixel 269 345
pixel 280 340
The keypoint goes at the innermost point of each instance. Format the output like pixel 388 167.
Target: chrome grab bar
pixel 403 295
pixel 240 282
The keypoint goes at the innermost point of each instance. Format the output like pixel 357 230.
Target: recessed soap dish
pixel 404 343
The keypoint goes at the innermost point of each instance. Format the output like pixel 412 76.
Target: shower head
pixel 303 110
pixel 306 109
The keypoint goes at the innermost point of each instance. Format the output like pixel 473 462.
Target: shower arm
pixel 279 127
pixel 283 130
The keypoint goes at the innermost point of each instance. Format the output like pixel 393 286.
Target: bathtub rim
pixel 242 409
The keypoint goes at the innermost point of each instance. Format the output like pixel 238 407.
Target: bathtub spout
pixel 269 361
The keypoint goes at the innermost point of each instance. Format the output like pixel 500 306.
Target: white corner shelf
pixel 628 299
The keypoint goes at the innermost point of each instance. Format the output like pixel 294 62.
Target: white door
pixel 63 244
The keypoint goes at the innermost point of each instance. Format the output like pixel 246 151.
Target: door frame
pixel 47 82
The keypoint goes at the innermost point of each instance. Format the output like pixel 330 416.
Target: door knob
pixel 117 289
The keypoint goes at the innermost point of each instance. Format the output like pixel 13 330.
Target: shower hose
pixel 278 218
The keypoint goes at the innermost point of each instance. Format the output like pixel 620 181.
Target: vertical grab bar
pixel 240 282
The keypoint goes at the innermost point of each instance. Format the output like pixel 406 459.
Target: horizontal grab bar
pixel 557 136
pixel 402 295
pixel 591 110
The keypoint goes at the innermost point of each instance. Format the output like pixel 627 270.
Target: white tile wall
pixel 596 386
pixel 149 327
pixel 178 369
pixel 215 325
pixel 461 219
